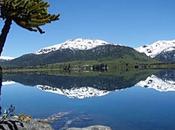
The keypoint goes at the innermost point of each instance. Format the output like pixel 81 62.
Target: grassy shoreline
pixel 121 64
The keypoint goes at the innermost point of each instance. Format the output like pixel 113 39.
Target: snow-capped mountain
pixel 79 93
pixel 7 58
pixel 158 84
pixel 76 44
pixel 157 48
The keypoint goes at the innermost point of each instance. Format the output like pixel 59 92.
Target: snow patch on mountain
pixel 158 84
pixel 79 93
pixel 76 44
pixel 169 49
pixel 156 48
pixel 6 58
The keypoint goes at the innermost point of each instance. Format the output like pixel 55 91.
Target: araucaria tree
pixel 28 14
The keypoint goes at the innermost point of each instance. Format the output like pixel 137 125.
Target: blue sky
pixel 128 22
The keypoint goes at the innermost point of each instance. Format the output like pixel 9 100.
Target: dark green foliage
pixel 29 14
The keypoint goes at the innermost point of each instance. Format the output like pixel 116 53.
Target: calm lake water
pixel 142 100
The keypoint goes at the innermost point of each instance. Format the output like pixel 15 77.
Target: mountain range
pixel 77 50
pixel 162 50
pixel 87 49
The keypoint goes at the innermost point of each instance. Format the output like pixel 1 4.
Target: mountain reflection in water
pixel 89 86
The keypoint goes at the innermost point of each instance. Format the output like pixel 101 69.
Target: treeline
pixel 96 67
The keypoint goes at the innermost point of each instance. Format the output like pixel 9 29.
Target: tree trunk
pixel 4 33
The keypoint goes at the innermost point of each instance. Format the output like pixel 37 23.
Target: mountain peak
pixel 75 44
pixel 157 47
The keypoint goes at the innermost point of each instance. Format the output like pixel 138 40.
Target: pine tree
pixel 28 14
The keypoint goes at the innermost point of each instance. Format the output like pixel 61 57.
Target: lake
pixel 142 100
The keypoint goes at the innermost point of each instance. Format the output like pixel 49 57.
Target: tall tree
pixel 28 14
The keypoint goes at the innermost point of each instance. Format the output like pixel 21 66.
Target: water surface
pixel 124 101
